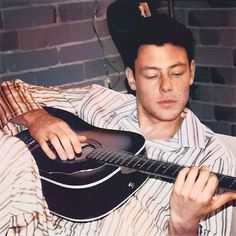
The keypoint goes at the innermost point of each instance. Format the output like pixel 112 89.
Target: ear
pixel 130 78
pixel 192 71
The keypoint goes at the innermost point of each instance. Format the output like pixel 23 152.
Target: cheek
pixel 145 96
pixel 183 93
pixel 147 91
pixel 145 88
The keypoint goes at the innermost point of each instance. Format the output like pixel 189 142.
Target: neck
pixel 153 129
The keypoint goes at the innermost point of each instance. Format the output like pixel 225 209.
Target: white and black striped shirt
pixel 147 212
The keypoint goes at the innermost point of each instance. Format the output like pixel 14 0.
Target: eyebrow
pixel 157 68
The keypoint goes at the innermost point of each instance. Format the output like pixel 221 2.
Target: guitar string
pixel 124 158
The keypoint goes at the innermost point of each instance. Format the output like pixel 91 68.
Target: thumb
pixel 82 139
pixel 220 200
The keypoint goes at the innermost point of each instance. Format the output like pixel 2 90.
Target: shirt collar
pixel 190 134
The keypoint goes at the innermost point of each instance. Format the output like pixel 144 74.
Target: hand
pixel 44 127
pixel 192 198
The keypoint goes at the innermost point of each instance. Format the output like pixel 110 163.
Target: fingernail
pixel 63 156
pixel 71 156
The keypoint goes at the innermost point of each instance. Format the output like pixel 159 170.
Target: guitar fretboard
pixel 164 170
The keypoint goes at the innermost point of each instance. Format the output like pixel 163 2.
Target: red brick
pixel 102 8
pixel 102 28
pixel 202 110
pixel 30 60
pixel 228 37
pixel 66 33
pixel 225 113
pixel 28 17
pixel 215 94
pixel 212 17
pixel 109 47
pixel 220 127
pixel 76 11
pixel 33 39
pixel 80 52
pixel 221 56
pixel 209 37
pixel 8 41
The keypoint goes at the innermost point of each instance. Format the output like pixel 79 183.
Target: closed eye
pixel 152 76
pixel 177 75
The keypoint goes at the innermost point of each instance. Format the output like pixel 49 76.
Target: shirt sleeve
pixel 20 181
pixel 221 161
pixel 18 97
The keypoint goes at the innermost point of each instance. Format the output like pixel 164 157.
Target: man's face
pixel 162 79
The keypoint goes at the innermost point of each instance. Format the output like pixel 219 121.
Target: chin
pixel 169 117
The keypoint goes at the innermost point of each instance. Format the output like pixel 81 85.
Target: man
pixel 160 69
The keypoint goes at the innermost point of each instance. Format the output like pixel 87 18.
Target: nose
pixel 166 84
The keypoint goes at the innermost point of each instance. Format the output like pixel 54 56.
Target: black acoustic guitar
pixel 102 178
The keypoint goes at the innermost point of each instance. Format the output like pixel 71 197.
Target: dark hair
pixel 159 30
pixel 129 31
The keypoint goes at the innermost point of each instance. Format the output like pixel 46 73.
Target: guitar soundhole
pixel 87 148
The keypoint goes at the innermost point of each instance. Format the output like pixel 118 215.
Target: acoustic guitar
pixel 110 169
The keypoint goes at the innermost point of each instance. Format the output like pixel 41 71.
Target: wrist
pixel 182 229
pixel 31 116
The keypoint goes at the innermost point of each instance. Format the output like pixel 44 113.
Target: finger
pixel 67 146
pixel 179 182
pixel 211 185
pixel 82 140
pixel 44 145
pixel 58 147
pixel 73 139
pixel 75 142
pixel 201 182
pixel 190 181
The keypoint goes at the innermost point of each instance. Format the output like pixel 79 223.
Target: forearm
pixel 18 98
pixel 15 100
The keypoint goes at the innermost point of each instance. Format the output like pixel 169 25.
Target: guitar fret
pixel 126 161
pixel 177 169
pixel 163 166
pixel 121 159
pixel 227 182
pixel 233 183
pixel 152 163
pixel 139 163
pixel 160 169
pixel 144 165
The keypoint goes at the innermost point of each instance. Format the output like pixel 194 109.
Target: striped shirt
pixel 147 211
pixel 23 210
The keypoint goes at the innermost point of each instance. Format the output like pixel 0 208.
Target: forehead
pixel 161 56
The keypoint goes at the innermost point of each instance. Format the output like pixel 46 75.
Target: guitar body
pixel 85 189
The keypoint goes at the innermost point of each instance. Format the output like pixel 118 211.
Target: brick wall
pixel 56 42
pixel 213 95
pixel 52 42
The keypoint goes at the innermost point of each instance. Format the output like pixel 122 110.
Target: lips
pixel 166 103
pixel 169 101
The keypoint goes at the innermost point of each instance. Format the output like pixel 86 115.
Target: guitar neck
pixel 162 170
